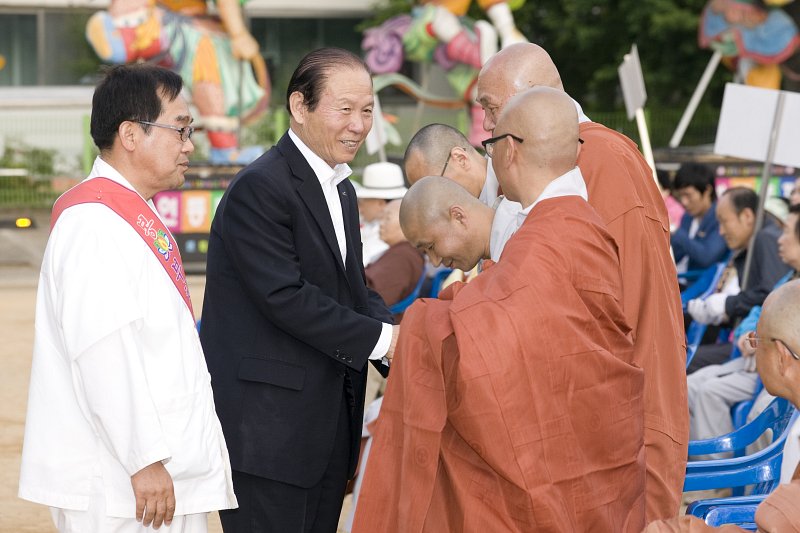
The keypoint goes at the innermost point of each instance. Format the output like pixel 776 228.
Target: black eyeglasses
pixel 488 144
pixel 446 162
pixel 185 132
pixel 754 339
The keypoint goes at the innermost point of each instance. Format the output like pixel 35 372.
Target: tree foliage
pixel 588 39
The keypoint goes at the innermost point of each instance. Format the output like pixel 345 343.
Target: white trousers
pixel 712 392
pixel 95 520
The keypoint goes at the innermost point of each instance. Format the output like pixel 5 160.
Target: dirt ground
pixel 20 257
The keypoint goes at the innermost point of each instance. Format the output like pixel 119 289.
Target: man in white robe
pixel 121 433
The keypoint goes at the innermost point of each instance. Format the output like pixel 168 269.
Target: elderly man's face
pixel 370 209
pixel 342 119
pixel 735 228
pixel 493 93
pixel 162 156
pixel 768 360
pixel 390 231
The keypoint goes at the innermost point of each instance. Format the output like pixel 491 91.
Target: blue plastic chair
pixel 761 469
pixel 438 279
pixel 740 410
pixel 739 511
pixel 403 304
pixel 705 284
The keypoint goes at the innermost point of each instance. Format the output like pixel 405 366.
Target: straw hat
pixel 382 180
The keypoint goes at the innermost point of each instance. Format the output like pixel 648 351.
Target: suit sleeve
pixel 703 252
pixel 259 237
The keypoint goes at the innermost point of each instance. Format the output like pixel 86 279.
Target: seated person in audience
pixel 675 210
pixel 736 213
pixel 697 243
pixel 794 196
pixel 380 183
pixel 777 353
pixel 395 274
pixel 715 388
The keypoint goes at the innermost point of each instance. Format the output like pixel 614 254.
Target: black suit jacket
pixel 284 323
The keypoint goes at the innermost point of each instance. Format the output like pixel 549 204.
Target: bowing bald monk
pixel 513 404
pixel 777 344
pixel 621 189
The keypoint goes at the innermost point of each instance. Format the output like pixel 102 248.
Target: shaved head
pixel 547 122
pixel 780 314
pixel 779 335
pixel 438 147
pixel 428 201
pixel 510 71
pixel 432 144
pixel 444 220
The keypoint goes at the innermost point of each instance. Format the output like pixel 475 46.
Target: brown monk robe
pixel 622 190
pixel 634 213
pixel 515 406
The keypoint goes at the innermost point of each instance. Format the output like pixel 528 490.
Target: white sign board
pixel 746 120
pixel 632 80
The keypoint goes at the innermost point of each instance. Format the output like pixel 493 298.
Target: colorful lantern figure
pixel 437 31
pixel 754 38
pixel 217 58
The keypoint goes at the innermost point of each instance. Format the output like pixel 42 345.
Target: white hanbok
pixel 118 378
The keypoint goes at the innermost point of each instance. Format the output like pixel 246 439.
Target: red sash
pixel 136 212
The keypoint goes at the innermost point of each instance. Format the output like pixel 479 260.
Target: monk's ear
pixel 785 359
pixel 459 156
pixel 126 133
pixel 297 107
pixel 458 215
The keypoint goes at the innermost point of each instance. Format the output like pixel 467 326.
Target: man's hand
pixel 744 345
pixel 708 311
pixel 393 344
pixel 155 496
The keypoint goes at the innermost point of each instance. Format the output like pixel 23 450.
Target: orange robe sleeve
pixel 622 190
pixel 528 373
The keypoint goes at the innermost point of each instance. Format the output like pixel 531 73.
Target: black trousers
pixel 710 354
pixel 268 506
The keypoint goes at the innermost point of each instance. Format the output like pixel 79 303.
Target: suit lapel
pixel 311 193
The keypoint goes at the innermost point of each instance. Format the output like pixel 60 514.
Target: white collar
pixel 321 169
pixel 581 116
pixel 102 169
pixel 568 184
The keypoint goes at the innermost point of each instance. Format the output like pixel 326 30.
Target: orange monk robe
pixel 514 407
pixel 622 190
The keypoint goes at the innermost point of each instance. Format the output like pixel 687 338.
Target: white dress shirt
pixel 329 178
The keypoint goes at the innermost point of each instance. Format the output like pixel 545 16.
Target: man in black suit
pixel 288 322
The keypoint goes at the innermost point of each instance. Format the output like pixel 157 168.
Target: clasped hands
pixel 710 310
